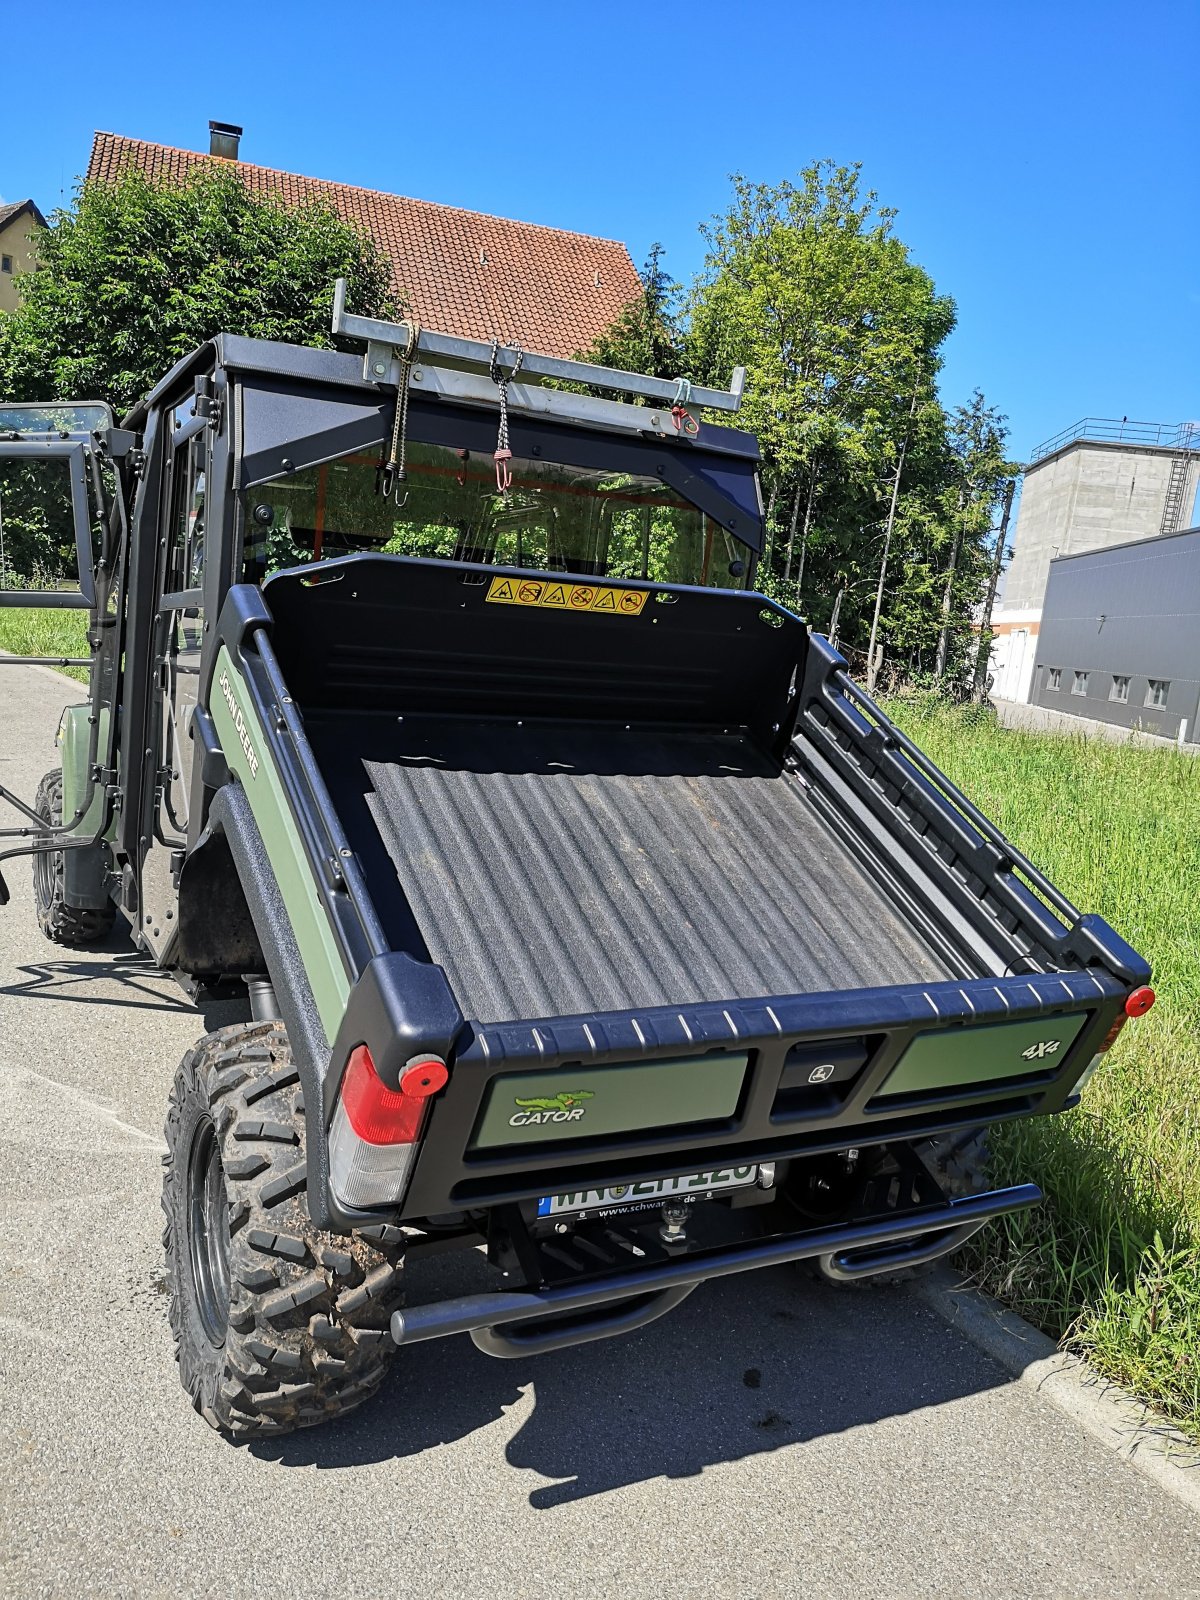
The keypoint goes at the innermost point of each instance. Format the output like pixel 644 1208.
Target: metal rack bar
pixel 475 355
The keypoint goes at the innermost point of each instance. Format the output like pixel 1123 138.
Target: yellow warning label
pixel 566 596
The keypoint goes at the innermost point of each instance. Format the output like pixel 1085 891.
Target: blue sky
pixel 1041 157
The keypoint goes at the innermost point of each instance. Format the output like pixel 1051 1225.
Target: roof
pixel 10 213
pixel 1156 539
pixel 461 272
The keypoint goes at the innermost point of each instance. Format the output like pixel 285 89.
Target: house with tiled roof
pixel 19 225
pixel 460 272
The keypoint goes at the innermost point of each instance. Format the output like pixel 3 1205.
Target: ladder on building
pixel 1177 482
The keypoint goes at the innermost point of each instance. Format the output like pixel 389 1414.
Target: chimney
pixel 223 140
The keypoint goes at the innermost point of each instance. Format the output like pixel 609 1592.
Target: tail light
pixel 376 1130
pixel 1136 1005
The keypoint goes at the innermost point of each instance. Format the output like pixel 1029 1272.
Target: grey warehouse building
pixel 1120 635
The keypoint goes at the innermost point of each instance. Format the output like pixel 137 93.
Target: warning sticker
pixel 567 596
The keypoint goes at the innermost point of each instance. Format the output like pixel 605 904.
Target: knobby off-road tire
pixel 67 925
pixel 278 1325
pixel 958 1163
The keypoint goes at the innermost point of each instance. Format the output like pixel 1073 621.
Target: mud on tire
pixel 278 1325
pixel 72 926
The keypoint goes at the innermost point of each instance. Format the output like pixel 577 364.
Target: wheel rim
pixel 45 869
pixel 208 1232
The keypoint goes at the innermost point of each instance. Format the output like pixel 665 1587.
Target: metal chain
pixel 503 454
pixel 393 473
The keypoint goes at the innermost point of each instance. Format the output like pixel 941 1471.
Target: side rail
pixel 252 727
pixel 253 732
pixel 930 837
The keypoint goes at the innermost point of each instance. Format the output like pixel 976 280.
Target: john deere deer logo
pixel 564 1107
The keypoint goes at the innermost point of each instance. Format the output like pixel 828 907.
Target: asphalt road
pixel 768 1439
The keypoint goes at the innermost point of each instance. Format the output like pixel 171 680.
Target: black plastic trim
pixel 231 814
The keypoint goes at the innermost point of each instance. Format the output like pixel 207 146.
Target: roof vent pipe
pixel 223 138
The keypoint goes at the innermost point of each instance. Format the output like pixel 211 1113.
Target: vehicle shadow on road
pixel 746 1365
pixel 140 984
pixel 71 979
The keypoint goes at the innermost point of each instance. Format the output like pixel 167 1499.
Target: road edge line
pixel 1110 1414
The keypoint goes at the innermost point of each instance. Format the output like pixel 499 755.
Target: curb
pixel 1109 1413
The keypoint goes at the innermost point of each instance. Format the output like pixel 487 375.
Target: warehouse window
pixel 1157 692
pixel 5 263
pixel 1079 683
pixel 1055 678
pixel 1119 690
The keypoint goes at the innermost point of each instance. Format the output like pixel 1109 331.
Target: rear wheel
pixel 278 1325
pixel 72 926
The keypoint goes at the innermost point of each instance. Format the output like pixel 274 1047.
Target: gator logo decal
pixel 564 1107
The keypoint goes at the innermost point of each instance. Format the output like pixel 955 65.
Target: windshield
pixel 553 518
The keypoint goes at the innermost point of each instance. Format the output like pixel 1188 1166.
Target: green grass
pixel 1110 1264
pixel 35 632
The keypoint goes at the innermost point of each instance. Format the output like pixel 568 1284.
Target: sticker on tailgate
pixel 597 598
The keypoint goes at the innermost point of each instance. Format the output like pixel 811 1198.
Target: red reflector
pixel 380 1115
pixel 420 1078
pixel 1110 1038
pixel 1139 1002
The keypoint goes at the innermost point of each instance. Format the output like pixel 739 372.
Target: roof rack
pixel 459 369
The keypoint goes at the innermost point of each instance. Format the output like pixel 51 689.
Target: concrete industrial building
pixel 1098 484
pixel 1120 635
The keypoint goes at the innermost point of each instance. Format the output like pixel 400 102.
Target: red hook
pixel 503 470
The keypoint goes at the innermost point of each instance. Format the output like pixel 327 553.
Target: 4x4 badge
pixel 1046 1047
pixel 564 1107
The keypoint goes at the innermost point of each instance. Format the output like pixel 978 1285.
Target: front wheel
pixel 278 1325
pixel 72 926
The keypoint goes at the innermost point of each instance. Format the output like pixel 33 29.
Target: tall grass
pixel 1111 1264
pixel 33 632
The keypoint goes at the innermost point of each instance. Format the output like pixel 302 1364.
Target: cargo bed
pixel 554 870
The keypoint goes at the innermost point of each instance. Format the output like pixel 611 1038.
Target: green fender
pixel 85 872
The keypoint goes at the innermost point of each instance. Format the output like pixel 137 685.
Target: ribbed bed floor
pixel 553 870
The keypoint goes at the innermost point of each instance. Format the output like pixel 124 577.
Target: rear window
pixel 553 518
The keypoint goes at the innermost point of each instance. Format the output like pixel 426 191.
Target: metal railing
pixel 1120 430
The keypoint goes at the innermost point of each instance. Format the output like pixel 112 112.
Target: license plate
pixel 649 1195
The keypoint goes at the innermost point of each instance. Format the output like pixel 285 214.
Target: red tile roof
pixel 462 272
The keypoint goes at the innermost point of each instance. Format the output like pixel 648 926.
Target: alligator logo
pixel 564 1107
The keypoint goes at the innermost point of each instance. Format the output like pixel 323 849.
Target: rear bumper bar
pixel 661 1286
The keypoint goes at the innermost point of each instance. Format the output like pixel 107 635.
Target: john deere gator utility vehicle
pixel 591 919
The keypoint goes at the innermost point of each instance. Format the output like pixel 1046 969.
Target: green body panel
pixel 245 750
pixel 957 1057
pixel 579 1103
pixel 72 740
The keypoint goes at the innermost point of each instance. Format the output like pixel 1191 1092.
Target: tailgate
pixel 535 1108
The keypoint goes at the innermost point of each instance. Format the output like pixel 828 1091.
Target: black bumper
pixel 595 1310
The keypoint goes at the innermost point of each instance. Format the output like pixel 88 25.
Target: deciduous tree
pixel 138 273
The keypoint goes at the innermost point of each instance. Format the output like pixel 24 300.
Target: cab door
pixel 178 641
